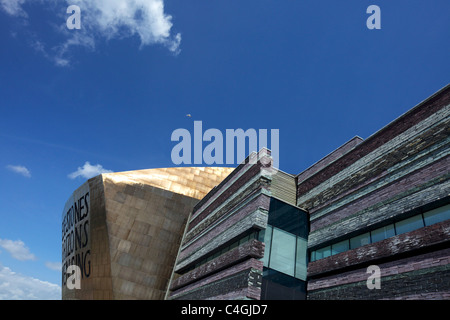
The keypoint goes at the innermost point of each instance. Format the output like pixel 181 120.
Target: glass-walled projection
pixel 285 240
pixel 285 253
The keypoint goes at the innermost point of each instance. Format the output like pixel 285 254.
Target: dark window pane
pixel 234 245
pixel 383 233
pixel 339 247
pixel 288 218
pixel 244 240
pixel 360 240
pixel 437 215
pixel 323 253
pixel 409 224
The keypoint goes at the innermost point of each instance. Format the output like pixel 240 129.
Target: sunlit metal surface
pixel 194 182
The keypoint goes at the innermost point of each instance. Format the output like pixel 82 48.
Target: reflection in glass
pixel 437 215
pixel 360 240
pixel 340 247
pixel 383 233
pixel 323 252
pixel 300 261
pixel 282 255
pixel 266 237
pixel 409 224
pixel 313 255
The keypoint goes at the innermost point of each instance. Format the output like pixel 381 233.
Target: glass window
pixel 288 218
pixel 282 255
pixel 313 256
pixel 360 240
pixel 409 224
pixel 383 233
pixel 300 259
pixel 244 240
pixel 266 237
pixel 233 245
pixel 339 247
pixel 323 252
pixel 437 215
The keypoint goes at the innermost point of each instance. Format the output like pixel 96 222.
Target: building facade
pixel 384 202
pixel 371 220
pixel 246 239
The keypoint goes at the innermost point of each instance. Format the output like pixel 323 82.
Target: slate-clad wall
pixel 239 205
pixel 422 276
pixel 401 170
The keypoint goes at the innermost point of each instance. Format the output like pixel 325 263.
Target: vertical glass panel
pixel 266 237
pixel 323 252
pixel 282 255
pixel 383 233
pixel 313 255
pixel 340 247
pixel 409 224
pixel 300 259
pixel 261 234
pixel 437 215
pixel 360 240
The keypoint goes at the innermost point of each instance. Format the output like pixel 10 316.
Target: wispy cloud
pixel 57 266
pixel 103 20
pixel 15 286
pixel 17 249
pixel 88 171
pixel 20 170
pixel 13 7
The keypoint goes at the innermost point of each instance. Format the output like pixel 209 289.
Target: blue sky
pixel 112 93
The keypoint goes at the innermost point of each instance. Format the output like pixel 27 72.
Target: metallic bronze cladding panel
pixel 132 230
pixel 194 182
pixel 85 243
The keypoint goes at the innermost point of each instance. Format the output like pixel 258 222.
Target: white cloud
pixel 57 266
pixel 13 7
pixel 105 19
pixel 88 171
pixel 17 249
pixel 14 286
pixel 20 170
pixel 122 18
